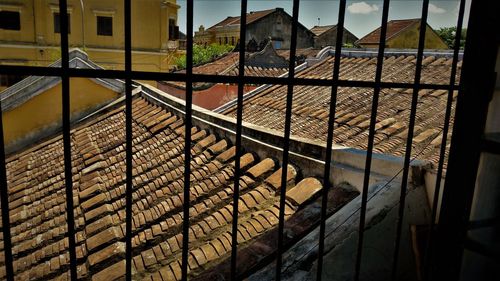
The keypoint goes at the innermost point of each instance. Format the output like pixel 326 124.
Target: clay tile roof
pixel 393 27
pixel 311 106
pixel 251 17
pixel 318 30
pixel 216 66
pixel 37 203
pixel 306 52
pixel 228 65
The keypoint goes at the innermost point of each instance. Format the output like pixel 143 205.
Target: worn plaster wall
pixel 209 98
pixel 342 237
pixel 37 43
pixel 270 26
pixel 329 38
pixel 44 111
pixel 409 39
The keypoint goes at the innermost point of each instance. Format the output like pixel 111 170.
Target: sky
pixel 361 17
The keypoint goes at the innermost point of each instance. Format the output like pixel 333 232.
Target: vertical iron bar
pixel 329 139
pixel 409 140
pixel 477 82
pixel 66 111
pixel 4 197
pixel 442 152
pixel 128 139
pixel 239 121
pixel 286 145
pixel 371 138
pixel 187 133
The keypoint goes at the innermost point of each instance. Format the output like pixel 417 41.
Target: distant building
pixel 326 35
pixel 403 34
pixel 266 63
pixel 275 24
pixel 30 32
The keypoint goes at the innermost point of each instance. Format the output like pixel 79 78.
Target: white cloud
pixel 362 8
pixel 466 12
pixel 433 9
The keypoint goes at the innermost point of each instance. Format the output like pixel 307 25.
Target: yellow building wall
pixel 45 109
pixel 37 43
pixel 204 38
pixel 229 34
pixel 408 39
pixel 218 36
pixel 27 21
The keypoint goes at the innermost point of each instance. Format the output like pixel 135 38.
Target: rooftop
pixel 251 17
pixel 393 28
pixel 267 63
pixel 37 198
pixel 310 112
pixel 318 30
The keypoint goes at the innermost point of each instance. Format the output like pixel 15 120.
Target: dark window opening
pixel 104 26
pixel 57 23
pixel 173 30
pixel 10 20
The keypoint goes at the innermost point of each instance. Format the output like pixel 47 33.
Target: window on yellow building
pixel 104 26
pixel 10 20
pixel 57 23
pixel 225 40
pixel 173 30
pixel 232 40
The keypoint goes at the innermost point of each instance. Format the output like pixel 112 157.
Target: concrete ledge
pixel 300 261
pixel 348 163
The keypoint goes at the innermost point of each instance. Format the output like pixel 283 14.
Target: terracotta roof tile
pixel 228 65
pixel 318 30
pixel 37 202
pixel 311 105
pixel 251 17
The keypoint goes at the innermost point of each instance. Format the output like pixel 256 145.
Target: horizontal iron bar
pixel 157 76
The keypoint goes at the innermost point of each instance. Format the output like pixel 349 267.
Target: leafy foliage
pixel 348 45
pixel 204 54
pixel 448 35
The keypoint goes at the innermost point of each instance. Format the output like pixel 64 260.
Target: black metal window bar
pixel 65 72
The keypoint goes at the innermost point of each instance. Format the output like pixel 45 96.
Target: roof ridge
pixel 377 31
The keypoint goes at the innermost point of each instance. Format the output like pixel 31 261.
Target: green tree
pixel 448 35
pixel 202 54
